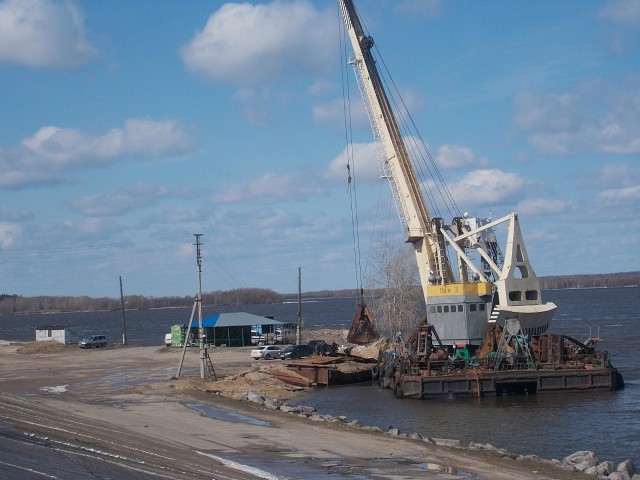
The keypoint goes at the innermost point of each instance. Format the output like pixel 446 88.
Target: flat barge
pixel 508 363
pixel 486 383
pixel 331 370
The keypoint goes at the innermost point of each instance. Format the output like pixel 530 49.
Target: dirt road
pixel 114 413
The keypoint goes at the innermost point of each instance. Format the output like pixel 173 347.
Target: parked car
pixel 296 351
pixel 267 352
pixel 94 341
pixel 167 339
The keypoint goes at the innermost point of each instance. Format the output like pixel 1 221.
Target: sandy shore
pixel 117 412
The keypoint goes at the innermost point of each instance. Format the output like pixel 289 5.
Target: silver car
pixel 267 352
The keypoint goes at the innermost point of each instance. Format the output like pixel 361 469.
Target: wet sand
pixel 116 413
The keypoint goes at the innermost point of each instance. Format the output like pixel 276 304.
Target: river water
pixel 550 426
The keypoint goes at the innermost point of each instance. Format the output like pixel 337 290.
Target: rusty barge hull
pixel 331 371
pixel 479 383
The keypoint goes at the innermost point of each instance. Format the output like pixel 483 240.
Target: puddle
pixel 225 414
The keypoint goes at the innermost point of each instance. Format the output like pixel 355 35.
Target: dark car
pixel 94 341
pixel 296 351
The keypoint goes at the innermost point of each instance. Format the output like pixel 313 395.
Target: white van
pixel 257 338
pixel 167 339
pixel 285 335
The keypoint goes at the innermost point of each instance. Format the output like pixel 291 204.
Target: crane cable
pixel 419 148
pixel 351 171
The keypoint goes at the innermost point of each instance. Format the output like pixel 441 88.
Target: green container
pixel 177 336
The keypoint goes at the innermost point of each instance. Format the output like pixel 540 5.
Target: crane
pixel 459 305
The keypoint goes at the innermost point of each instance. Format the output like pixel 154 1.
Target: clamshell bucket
pixel 363 329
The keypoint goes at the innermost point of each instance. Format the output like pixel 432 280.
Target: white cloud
pixel 51 151
pixel 8 234
pixel 245 44
pixel 596 118
pixel 456 156
pixel 488 187
pixel 363 161
pixel 147 138
pixel 144 138
pixel 624 12
pixel 120 200
pixel 43 34
pixel 269 188
pixel 616 196
pixel 620 174
pixel 542 206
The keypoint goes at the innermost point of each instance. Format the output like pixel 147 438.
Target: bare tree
pixel 394 294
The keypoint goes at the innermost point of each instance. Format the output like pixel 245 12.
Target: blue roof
pixel 235 319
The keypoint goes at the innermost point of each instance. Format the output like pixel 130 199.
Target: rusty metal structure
pixel 508 362
pixel 363 328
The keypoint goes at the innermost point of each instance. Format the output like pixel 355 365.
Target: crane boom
pixel 421 230
pixel 459 308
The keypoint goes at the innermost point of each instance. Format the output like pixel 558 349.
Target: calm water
pixel 551 426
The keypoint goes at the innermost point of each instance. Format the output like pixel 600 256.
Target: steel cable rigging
pixel 351 171
pixel 422 159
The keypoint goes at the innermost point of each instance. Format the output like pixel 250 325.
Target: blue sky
pixel 129 126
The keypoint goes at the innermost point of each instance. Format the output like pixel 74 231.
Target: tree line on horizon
pixel 17 304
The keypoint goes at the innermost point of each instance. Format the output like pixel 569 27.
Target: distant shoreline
pixel 13 304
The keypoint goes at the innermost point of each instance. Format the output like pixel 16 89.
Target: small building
pixel 59 333
pixel 230 329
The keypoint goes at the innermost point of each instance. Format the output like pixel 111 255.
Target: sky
pixel 128 127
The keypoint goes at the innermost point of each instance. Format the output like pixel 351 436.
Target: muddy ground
pixel 117 413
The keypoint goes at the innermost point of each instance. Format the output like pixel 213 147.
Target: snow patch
pixel 56 389
pixel 243 468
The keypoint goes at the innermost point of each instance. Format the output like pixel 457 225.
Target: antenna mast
pixel 201 344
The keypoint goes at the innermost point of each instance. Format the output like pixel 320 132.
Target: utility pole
pixel 203 352
pixel 206 366
pixel 299 333
pixel 124 318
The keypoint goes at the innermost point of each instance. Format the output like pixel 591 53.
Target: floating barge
pixel 508 363
pixel 486 383
pixel 330 370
